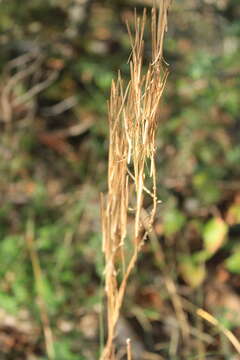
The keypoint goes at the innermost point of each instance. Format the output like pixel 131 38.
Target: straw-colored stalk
pixel 133 119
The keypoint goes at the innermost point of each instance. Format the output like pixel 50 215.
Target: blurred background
pixel 57 60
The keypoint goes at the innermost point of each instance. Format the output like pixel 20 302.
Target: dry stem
pixel 133 119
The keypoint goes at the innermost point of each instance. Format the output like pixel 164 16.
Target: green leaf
pixel 10 250
pixel 104 79
pixel 173 221
pixel 63 351
pixel 9 303
pixel 214 234
pixel 192 273
pixel 233 262
pixel 204 183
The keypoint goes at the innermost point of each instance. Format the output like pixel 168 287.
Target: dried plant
pixel 133 120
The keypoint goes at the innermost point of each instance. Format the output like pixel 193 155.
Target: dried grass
pixel 133 120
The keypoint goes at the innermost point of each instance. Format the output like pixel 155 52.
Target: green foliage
pixel 214 234
pixel 173 221
pixel 63 351
pixel 14 284
pixel 193 272
pixel 233 261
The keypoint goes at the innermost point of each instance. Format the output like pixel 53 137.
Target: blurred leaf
pixel 233 262
pixel 104 79
pixel 233 155
pixel 49 235
pixel 173 221
pixel 9 303
pixel 202 65
pixel 95 246
pixel 10 248
pixel 63 351
pixel 230 101
pixel 192 273
pixel 200 257
pixel 39 197
pixel 206 187
pixel 214 234
pixel 233 214
pixel 151 314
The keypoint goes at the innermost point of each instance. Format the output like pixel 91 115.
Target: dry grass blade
pixel 133 119
pixel 212 320
pixel 37 272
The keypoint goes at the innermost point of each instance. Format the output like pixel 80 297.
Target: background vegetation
pixel 57 62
